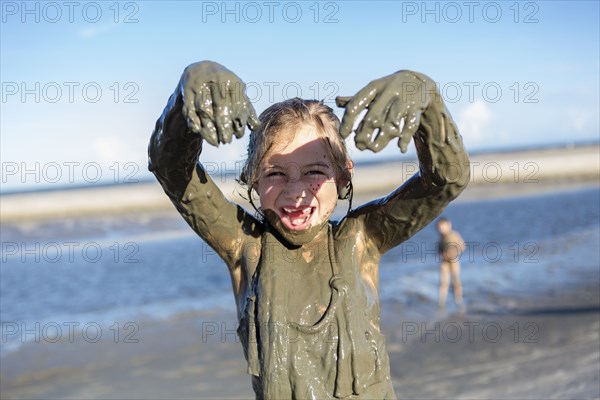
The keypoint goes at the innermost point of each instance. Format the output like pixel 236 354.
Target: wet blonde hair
pixel 281 121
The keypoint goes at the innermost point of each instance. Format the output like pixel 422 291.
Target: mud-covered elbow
pixel 457 177
pixel 152 166
pixel 154 161
pixel 159 166
pixel 152 155
pixel 151 160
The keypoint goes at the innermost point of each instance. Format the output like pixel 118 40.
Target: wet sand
pixel 547 347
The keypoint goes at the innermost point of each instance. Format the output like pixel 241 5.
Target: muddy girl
pixel 306 287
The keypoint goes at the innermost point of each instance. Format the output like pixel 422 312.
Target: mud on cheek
pixel 315 187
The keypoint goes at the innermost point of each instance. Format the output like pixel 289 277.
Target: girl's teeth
pixel 291 210
pixel 297 216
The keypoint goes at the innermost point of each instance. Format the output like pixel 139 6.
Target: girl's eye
pixel 315 172
pixel 272 174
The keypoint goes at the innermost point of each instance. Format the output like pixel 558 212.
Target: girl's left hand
pixel 394 103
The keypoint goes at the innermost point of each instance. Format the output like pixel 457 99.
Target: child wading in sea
pixel 307 288
pixel 450 247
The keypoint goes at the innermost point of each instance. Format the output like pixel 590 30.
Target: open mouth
pixel 296 218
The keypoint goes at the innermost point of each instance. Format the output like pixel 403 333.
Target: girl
pixel 306 288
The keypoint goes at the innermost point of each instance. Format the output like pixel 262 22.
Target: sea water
pixel 93 273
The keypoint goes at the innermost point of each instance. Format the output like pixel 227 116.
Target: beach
pixel 144 319
pixel 542 353
pixel 491 175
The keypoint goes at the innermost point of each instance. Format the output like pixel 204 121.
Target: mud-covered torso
pixel 308 291
pixel 310 322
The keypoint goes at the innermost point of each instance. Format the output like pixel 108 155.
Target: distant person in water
pixel 450 247
pixel 297 275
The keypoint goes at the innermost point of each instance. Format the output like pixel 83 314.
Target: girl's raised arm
pixel 407 105
pixel 208 104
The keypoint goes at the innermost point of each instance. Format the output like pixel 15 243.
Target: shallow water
pixel 516 248
pixel 107 270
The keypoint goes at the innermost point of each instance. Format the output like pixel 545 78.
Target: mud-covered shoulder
pixel 351 236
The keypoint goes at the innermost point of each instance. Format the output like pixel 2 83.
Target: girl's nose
pixel 295 189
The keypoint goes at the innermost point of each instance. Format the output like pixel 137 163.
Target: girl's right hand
pixel 215 104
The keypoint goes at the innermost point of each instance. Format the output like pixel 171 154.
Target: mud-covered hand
pixel 394 103
pixel 215 104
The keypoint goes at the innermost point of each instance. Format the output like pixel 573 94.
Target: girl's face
pixel 297 181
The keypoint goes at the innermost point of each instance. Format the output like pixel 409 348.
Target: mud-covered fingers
pixel 197 110
pixel 364 134
pixel 235 112
pixel 222 111
pixel 375 125
pixel 362 141
pixel 244 115
pixel 391 124
pixel 342 101
pixel 396 120
pixel 369 135
pixel 239 122
pixel 357 104
pixel 412 120
pixel 209 132
pixel 253 121
pixel 352 111
pixel 238 127
pixel 380 125
pixel 204 109
pixel 189 109
pixel 374 140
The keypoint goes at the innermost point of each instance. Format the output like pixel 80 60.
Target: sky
pixel 83 82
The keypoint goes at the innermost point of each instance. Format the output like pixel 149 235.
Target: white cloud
pixel 111 149
pixel 581 120
pixel 95 30
pixel 474 122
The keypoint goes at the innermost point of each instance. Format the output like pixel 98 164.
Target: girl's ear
pixel 345 185
pixel 350 168
pixel 345 191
